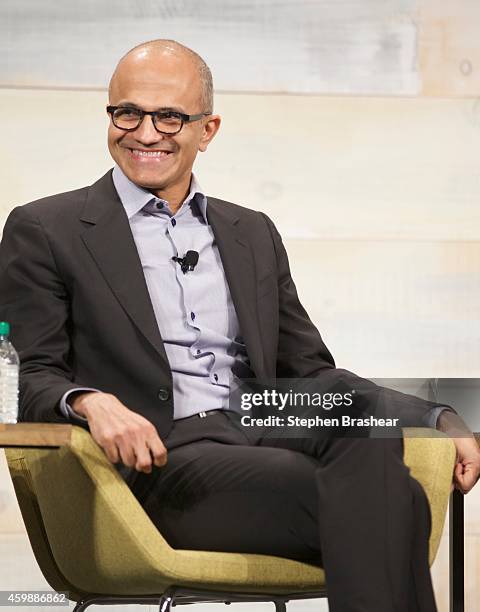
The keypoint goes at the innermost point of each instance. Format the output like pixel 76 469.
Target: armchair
pixel 92 539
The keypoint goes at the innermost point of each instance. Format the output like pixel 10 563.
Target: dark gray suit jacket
pixel 72 287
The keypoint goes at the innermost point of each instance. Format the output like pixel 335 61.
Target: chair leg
pixel 83 605
pixel 99 600
pixel 457 536
pixel 167 600
pixel 280 605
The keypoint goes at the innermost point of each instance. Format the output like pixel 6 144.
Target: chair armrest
pixel 430 455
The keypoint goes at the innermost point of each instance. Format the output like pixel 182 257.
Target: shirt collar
pixel 134 198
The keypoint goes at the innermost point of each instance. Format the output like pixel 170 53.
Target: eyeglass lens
pixel 130 118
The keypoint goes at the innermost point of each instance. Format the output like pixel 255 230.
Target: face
pixel 154 81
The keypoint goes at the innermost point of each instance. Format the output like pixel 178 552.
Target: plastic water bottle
pixel 9 365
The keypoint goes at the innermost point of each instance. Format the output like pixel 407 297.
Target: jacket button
pixel 163 394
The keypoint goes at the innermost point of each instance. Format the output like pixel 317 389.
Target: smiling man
pixel 117 334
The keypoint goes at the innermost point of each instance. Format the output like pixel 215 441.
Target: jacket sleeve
pixel 301 350
pixel 303 354
pixel 34 300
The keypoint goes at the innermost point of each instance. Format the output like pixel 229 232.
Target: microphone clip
pixel 187 263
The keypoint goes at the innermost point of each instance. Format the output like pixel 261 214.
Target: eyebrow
pixel 126 103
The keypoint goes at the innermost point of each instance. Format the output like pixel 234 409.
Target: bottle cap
pixel 4 328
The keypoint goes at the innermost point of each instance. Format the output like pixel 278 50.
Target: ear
pixel 210 128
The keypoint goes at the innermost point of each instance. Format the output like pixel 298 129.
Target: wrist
pixel 81 401
pixel 453 425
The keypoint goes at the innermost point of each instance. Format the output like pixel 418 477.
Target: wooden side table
pixel 37 435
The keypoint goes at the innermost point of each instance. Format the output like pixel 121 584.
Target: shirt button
pixel 174 223
pixel 159 205
pixel 198 351
pixel 163 394
pixel 192 316
pixel 215 376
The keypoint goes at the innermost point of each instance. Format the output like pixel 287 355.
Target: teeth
pixel 149 153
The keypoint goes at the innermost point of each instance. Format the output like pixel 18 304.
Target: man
pixel 116 333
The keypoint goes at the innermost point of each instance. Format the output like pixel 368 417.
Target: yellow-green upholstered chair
pixel 92 539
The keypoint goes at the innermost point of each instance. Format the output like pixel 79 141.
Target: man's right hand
pixel 123 434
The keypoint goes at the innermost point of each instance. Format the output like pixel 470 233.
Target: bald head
pixel 161 51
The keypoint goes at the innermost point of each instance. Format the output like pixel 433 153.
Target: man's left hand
pixel 467 464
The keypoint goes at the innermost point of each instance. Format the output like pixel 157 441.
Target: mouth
pixel 149 155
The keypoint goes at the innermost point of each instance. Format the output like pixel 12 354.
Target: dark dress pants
pixel 347 504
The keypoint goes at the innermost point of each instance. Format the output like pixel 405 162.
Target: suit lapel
pixel 110 242
pixel 238 263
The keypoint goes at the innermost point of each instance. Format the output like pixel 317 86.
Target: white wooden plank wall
pixel 449 52
pixel 364 46
pixel 340 168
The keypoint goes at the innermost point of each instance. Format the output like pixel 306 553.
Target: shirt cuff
pixel 67 410
pixel 432 417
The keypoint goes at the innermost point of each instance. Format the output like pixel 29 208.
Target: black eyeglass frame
pixel 182 116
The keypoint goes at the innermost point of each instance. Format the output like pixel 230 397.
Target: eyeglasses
pixel 166 122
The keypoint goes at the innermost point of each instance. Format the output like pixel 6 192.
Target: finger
pixel 127 453
pixel 458 477
pixel 143 459
pixel 465 477
pixel 470 477
pixel 458 469
pixel 158 451
pixel 464 483
pixel 110 449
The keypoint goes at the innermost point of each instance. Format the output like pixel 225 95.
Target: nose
pixel 146 132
